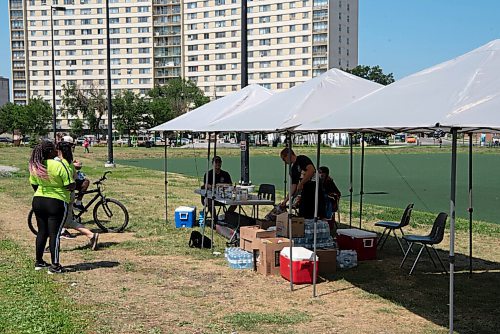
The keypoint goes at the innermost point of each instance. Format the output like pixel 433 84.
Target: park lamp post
pixel 54 111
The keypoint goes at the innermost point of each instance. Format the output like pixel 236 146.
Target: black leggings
pixel 50 217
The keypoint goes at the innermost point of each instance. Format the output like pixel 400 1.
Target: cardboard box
pixel 328 259
pixel 265 224
pixel 249 236
pixel 268 257
pixel 298 226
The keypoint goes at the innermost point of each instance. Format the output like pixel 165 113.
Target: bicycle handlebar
pixel 103 177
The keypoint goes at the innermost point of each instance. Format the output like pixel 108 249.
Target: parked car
pixel 5 140
pixel 411 139
pixel 79 140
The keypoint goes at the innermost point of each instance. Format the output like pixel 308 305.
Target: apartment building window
pixel 193 58
pixel 87 11
pixel 87 52
pixel 305 50
pixel 292 62
pixel 128 20
pixel 305 38
pixel 86 31
pixel 279 6
pixel 265 41
pixel 234 23
pixel 264 31
pixel 220 34
pixel 70 22
pixel 84 42
pixel 192 47
pixel 115 51
pixel 347 29
pixel 71 62
pixel 115 81
pixel 340 27
pixel 114 41
pixel 220 56
pixel 234 11
pixel 87 72
pixel 340 39
pixel 347 52
pixel 265 75
pixel 305 73
pixel 114 20
pixel 70 52
pixel 70 32
pixel 292 16
pixel 206 47
pixel 220 12
pixel 206 68
pixel 220 67
pixel 129 61
pixel 265 64
pixel 279 85
pixel 143 50
pixel 220 78
pixel 292 39
pixel 144 71
pixel 70 72
pixel 292 4
pixel 205 57
pixel 114 30
pixel 279 40
pixel 192 16
pixel 305 15
pixel 114 10
pixel 347 41
pixel 89 62
pixel 264 8
pixel 305 26
pixel 220 2
pixel 34 73
pixel 347 18
pixel 86 21
pixel 142 9
pixel 279 52
pixel 264 19
pixel 141 30
pixel 234 76
pixel 235 44
pixel 128 10
pixel 191 5
pixel 220 24
pixel 279 18
pixel 292 51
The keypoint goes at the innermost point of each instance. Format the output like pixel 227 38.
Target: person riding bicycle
pixel 65 155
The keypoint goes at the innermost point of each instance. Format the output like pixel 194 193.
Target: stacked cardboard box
pixel 250 235
pixel 282 226
pixel 268 255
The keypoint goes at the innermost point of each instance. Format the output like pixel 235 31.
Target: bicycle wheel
pixel 111 215
pixel 32 222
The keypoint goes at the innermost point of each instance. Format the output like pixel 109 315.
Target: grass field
pixel 147 280
pixel 390 179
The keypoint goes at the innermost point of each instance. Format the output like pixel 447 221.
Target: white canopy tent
pixel 329 91
pixel 460 95
pixel 217 110
pixel 463 92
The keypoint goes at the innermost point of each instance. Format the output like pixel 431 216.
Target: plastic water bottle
pixel 201 218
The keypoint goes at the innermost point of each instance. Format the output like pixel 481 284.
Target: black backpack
pixel 195 240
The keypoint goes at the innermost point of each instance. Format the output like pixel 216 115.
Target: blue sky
pixel 402 36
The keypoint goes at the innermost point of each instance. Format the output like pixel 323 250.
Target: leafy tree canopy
pixel 374 74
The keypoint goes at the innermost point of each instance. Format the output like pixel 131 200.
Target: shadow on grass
pixel 426 292
pixel 100 245
pixel 92 265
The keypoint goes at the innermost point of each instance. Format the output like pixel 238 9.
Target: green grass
pixel 31 302
pixel 256 320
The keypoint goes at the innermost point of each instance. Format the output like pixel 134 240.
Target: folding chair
pixel 393 226
pixel 434 238
pixel 266 191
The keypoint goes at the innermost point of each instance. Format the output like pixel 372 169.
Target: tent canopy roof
pixel 199 118
pixel 311 99
pixel 462 93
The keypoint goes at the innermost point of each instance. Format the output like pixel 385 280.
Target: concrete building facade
pixel 153 41
pixel 4 91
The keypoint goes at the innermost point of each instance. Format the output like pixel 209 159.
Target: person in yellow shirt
pixel 53 183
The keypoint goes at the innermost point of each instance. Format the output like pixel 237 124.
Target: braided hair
pixel 66 149
pixel 41 152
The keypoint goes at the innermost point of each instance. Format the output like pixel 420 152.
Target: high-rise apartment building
pixel 289 42
pixel 4 91
pixel 152 41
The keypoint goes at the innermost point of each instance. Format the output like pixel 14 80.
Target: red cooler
pixel 302 265
pixel 363 242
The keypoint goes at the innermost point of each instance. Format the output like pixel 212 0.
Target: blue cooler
pixel 185 216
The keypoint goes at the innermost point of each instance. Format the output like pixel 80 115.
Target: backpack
pixel 195 240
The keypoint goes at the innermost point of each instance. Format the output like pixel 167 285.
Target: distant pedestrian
pixel 86 145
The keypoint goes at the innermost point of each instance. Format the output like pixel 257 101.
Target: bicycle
pixel 109 214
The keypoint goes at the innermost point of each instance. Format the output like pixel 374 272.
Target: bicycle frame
pixel 98 195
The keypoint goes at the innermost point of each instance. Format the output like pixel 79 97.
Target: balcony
pixel 320 42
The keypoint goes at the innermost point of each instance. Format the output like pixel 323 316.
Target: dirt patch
pixel 173 294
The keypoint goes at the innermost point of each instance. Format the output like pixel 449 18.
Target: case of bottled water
pixel 238 258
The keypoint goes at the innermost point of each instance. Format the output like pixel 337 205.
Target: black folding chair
pixel 434 238
pixel 393 226
pixel 266 191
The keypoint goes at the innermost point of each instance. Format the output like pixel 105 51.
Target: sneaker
pixel 56 269
pixel 41 265
pixel 93 241
pixel 79 206
pixel 66 235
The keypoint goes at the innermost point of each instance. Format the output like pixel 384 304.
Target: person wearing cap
pixel 221 177
pixel 303 175
pixel 82 183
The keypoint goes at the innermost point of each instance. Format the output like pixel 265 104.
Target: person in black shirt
pixel 221 177
pixel 303 184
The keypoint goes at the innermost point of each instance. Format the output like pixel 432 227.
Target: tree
pixel 129 110
pixel 374 74
pixel 33 119
pixel 90 103
pixel 77 128
pixel 174 99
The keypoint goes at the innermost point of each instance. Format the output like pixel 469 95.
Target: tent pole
pixel 290 202
pixel 452 222
pixel 213 193
pixel 362 178
pixel 286 176
pixel 205 202
pixel 165 175
pixel 470 205
pixel 316 211
pixel 350 180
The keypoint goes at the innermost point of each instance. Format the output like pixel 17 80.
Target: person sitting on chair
pixel 221 177
pixel 331 192
pixel 303 184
